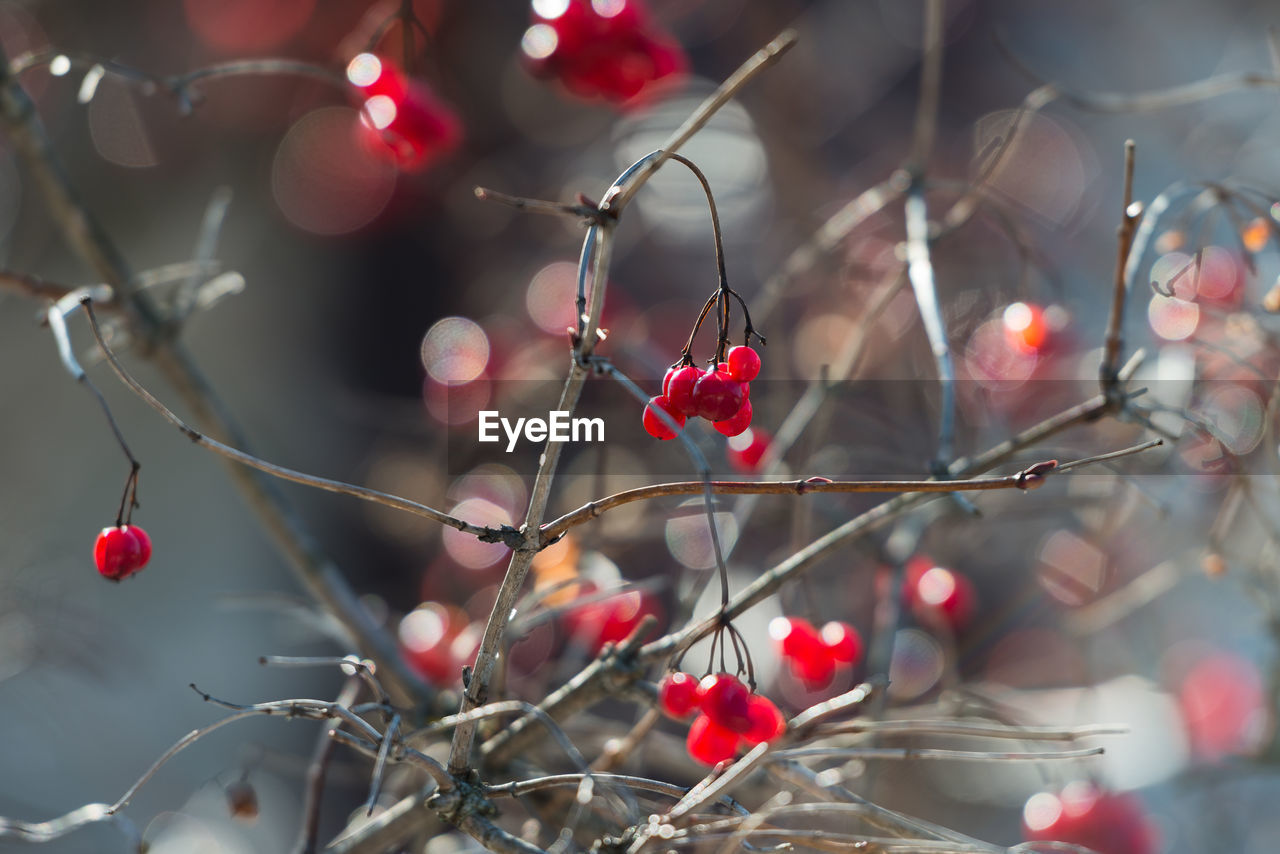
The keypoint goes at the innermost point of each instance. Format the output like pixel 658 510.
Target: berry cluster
pixel 120 551
pixel 813 656
pixel 600 48
pixel 401 118
pixel 729 714
pixel 720 395
pixel 1082 814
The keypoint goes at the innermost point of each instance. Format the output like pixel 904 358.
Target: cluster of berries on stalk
pixel 729 714
pixel 722 395
pixel 814 655
pixel 600 48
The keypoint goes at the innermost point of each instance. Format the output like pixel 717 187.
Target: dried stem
pixel 1114 343
pixel 319 764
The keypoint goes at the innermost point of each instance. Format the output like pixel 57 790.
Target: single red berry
pixel 144 545
pixel 944 595
pixel 426 635
pixel 680 389
pixel 747 449
pixel 767 722
pixel 842 641
pixel 744 364
pixel 1026 327
pixel 802 648
pixel 654 424
pixel 678 694
pixel 609 620
pixel 717 397
pixel 738 423
pixel 724 699
pixel 117 552
pixel 709 742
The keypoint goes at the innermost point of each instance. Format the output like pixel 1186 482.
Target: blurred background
pixel 384 304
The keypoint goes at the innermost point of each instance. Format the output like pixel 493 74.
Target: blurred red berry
pixel 942 595
pixel 842 642
pixel 802 647
pixel 747 449
pixel 678 694
pixel 1082 814
pixel 709 742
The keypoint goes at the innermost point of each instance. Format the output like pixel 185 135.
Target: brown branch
pixel 85 235
pixel 1129 216
pixel 32 286
pixel 599 236
pixel 926 124
pixel 587 512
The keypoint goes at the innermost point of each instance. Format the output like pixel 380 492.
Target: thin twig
pixel 1130 215
pixel 926 123
pixel 316 769
pixel 235 455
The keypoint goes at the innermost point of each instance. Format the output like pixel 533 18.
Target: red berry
pixel 842 641
pixel 654 425
pixel 747 449
pixel 717 397
pixel 767 722
pixel 1026 327
pixel 738 423
pixel 1083 814
pixel 412 130
pixel 709 742
pixel 678 694
pixel 375 75
pixel 610 620
pixel 144 545
pixel 679 390
pixel 118 552
pixel 426 635
pixel 801 646
pixel 744 364
pixel 725 699
pixel 943 595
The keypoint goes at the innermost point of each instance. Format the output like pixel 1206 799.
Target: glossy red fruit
pixel 679 389
pixel 717 397
pixel 678 694
pixel 747 450
pixel 802 648
pixel 119 551
pixel 709 742
pixel 842 641
pixel 723 698
pixel 654 425
pixel 736 425
pixel 767 722
pixel 1082 814
pixel 744 364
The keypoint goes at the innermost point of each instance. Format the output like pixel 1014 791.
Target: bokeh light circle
pixel 455 350
pixel 1171 318
pixel 465 548
pixel 689 538
pixel 551 297
pixel 323 181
